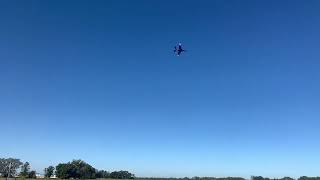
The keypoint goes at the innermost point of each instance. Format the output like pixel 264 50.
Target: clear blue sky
pixel 97 80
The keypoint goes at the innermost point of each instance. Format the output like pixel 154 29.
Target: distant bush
pixel 308 178
pixel 121 175
pixel 102 174
pixel 194 178
pixel 32 174
pixel 266 178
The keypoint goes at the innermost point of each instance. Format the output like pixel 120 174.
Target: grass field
pixel 60 179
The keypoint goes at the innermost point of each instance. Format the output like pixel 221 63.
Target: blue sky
pixel 97 80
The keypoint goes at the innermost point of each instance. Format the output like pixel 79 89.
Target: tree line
pixel 75 169
pixel 231 178
pixel 78 169
pixel 284 178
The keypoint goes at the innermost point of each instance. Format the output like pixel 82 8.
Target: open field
pixel 60 179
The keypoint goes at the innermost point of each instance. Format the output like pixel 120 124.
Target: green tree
pixel 122 175
pixel 48 172
pixel 76 169
pixel 308 178
pixel 258 178
pixel 32 174
pixel 286 178
pixel 64 171
pixel 9 166
pixel 25 168
pixel 102 174
pixel 196 178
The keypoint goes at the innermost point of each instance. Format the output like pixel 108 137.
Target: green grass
pixel 61 179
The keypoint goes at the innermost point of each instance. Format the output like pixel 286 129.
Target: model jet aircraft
pixel 178 50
